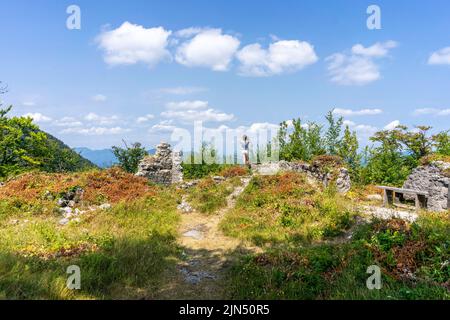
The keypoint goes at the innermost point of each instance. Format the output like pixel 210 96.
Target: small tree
pixel 332 136
pixel 129 157
pixel 417 142
pixel 441 143
pixel 348 151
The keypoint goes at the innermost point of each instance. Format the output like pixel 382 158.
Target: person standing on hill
pixel 245 146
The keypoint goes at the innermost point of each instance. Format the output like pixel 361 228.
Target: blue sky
pixel 137 69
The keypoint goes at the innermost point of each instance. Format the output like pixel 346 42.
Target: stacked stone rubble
pixel 162 168
pixel 342 178
pixel 432 178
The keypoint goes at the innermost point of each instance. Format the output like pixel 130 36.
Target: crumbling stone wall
pixel 433 179
pixel 341 177
pixel 164 167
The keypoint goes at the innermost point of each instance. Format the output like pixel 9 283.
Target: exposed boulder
pixel 164 167
pixel 434 179
pixel 340 176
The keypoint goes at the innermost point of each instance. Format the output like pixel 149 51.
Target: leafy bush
pixel 129 157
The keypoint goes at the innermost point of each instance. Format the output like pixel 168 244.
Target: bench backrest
pixel 401 190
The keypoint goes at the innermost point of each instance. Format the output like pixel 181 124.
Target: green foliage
pixel 129 157
pixel 339 271
pixel 303 143
pixel 441 142
pixel 348 151
pixel 287 209
pixel 386 163
pixel 202 164
pixel 24 147
pixel 332 136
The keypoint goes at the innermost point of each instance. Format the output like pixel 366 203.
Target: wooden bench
pixel 393 195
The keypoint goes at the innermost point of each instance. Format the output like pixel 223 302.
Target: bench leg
pixel 398 197
pixel 388 197
pixel 421 202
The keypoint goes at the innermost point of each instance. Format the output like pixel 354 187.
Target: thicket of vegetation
pixel 413 259
pixel 389 160
pixel 24 147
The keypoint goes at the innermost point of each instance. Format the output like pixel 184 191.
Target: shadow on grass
pixel 126 269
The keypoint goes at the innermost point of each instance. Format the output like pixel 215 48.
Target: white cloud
pixel 392 125
pixel 440 57
pixel 186 105
pixel 131 43
pixel 377 50
pixel 99 98
pixel 182 90
pixel 281 57
pixel 165 126
pixel 189 32
pixel 349 123
pixel 38 117
pixel 95 131
pixel 208 48
pixel 101 120
pixel 145 118
pixel 432 111
pixel 364 130
pixel 359 67
pixel 190 111
pixel 198 115
pixel 263 126
pixel 361 112
pixel 68 122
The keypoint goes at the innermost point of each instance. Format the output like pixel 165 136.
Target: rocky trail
pixel 207 253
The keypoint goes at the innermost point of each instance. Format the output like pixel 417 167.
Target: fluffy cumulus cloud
pixel 377 50
pixel 101 120
pixel 392 125
pixel 131 43
pixel 440 57
pixel 207 48
pixel 432 112
pixel 359 67
pixel 281 57
pixel 190 111
pixel 38 117
pixel 364 131
pixel 361 112
pixel 164 126
pixel 144 119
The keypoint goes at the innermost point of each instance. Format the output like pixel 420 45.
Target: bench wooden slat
pixel 401 190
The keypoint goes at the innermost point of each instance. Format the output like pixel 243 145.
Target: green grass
pixel 123 252
pixel 287 209
pixel 339 271
pixel 209 196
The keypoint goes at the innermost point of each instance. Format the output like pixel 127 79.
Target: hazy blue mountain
pixel 103 158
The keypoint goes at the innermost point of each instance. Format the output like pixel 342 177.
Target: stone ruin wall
pixel 432 179
pixel 164 167
pixel 342 180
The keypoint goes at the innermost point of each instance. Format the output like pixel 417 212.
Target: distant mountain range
pixel 103 158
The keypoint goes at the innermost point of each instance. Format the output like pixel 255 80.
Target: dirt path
pixel 207 253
